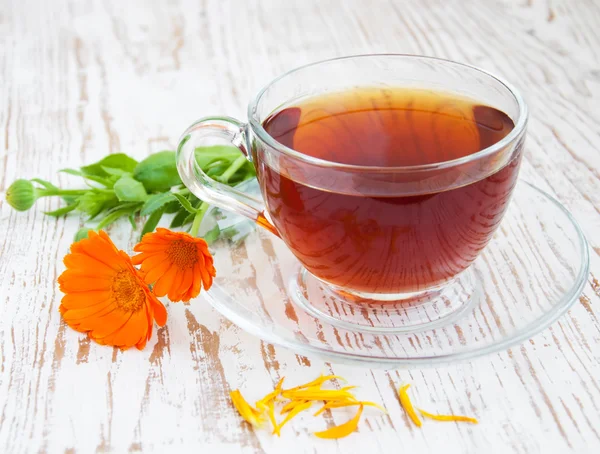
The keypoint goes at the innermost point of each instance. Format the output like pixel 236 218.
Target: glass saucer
pixel 529 275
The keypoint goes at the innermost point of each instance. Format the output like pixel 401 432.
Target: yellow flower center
pixel 127 292
pixel 183 254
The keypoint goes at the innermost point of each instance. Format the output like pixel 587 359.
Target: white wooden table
pixel 80 79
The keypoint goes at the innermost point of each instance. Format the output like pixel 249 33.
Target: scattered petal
pixel 245 410
pixel 342 404
pixel 271 396
pixel 271 414
pixel 309 394
pixel 343 430
pixel 408 406
pixel 316 382
pixel 457 418
pixel 294 412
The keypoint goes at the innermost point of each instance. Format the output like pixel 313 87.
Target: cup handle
pixel 204 187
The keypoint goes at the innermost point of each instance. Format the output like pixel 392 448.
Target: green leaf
pixel 223 154
pixel 122 206
pixel 152 222
pixel 189 219
pixel 246 172
pixel 158 172
pixel 114 161
pixel 44 183
pixel 216 171
pixel 185 203
pixel 212 234
pixel 70 199
pixel 115 172
pixel 93 202
pixel 115 215
pixel 82 233
pixel 129 190
pixel 216 159
pixel 172 207
pixel 77 173
pixel 62 211
pixel 179 219
pixel 110 219
pixel 132 220
pixel 157 201
pixel 230 232
pixel 105 181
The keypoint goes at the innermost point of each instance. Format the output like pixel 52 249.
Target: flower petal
pixel 408 406
pixel 151 248
pixel 98 248
pixel 160 312
pixel 132 332
pixel 174 294
pixel 343 430
pixel 80 300
pixel 187 281
pixel 88 311
pixel 247 412
pixel 455 418
pixel 161 288
pixel 90 320
pixel 82 284
pixel 151 260
pixel 196 283
pixel 153 274
pixel 80 261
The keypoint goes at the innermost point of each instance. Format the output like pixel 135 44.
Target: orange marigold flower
pixel 105 295
pixel 176 263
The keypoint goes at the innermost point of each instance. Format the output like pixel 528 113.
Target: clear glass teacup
pixel 370 233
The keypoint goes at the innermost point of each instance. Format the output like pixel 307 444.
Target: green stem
pixel 224 178
pixel 61 192
pixel 234 167
pixel 198 219
pixel 69 192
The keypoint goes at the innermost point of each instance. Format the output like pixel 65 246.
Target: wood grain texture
pixel 83 78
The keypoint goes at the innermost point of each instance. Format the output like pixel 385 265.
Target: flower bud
pixel 21 195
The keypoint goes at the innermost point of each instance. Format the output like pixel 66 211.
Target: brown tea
pixel 388 244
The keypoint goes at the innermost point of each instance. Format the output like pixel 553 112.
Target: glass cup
pixel 372 262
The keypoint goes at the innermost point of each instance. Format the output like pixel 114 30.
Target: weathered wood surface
pixel 83 78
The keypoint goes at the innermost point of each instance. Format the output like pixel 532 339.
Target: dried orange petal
pixel 271 414
pixel 408 406
pixel 343 430
pixel 457 418
pixel 262 403
pixel 291 405
pixel 246 411
pixel 297 409
pixel 316 382
pixel 349 403
pixel 333 394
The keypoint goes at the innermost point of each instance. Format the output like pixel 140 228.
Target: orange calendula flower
pixel 105 296
pixel 176 263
